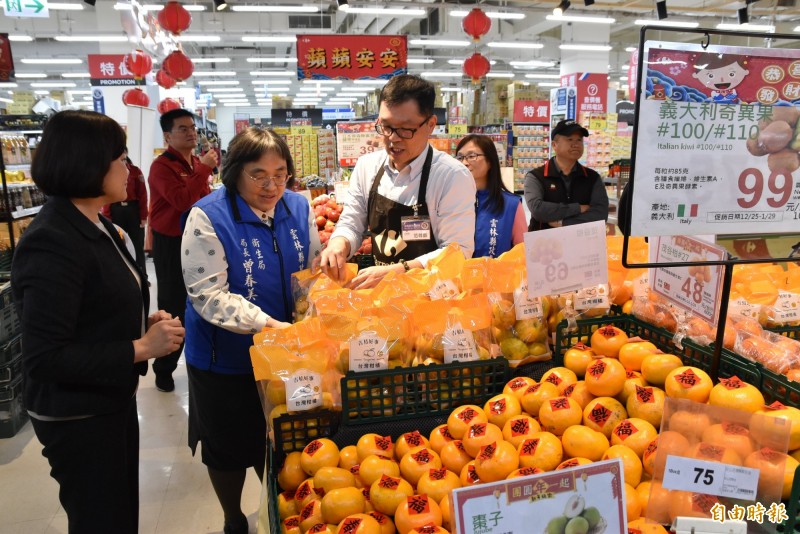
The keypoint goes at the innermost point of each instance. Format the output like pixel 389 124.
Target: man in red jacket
pixel 177 180
pixel 131 215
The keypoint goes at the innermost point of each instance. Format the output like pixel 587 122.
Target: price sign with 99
pixel 556 271
pixel 776 188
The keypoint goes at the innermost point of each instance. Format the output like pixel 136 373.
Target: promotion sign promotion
pixel 592 91
pixel 323 57
pixel 354 139
pixel 587 498
pixel 695 289
pixel 566 259
pixel 717 144
pixel 110 70
pixel 6 60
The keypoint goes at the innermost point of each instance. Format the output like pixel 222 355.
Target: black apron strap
pixel 423 182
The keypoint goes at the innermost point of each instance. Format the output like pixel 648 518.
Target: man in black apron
pixel 412 199
pixel 562 191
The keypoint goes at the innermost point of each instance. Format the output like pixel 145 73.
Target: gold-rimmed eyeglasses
pixel 263 180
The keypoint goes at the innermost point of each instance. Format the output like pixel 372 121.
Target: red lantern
pixel 476 23
pixel 476 67
pixel 168 104
pixel 165 80
pixel 135 97
pixel 174 18
pixel 138 63
pixel 178 66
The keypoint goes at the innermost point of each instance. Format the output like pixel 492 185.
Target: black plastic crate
pixel 11 371
pixel 690 352
pixel 9 322
pixel 776 387
pixel 292 432
pixel 413 392
pixel 11 350
pixel 788 331
pixel 12 412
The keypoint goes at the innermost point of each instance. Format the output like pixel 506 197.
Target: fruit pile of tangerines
pixel 607 401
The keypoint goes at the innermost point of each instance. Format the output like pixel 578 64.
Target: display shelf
pixel 531 149
pixel 25 212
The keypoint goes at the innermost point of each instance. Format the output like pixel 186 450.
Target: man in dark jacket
pixel 562 191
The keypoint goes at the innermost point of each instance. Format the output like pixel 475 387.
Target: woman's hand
pixel 274 323
pixel 163 338
pixel 155 317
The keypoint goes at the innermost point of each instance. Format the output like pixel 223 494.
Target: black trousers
pixel 96 464
pixel 127 218
pixel 171 290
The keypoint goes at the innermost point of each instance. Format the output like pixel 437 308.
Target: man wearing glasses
pixel 413 199
pixel 562 191
pixel 177 180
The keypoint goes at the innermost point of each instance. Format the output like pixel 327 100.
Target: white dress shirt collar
pixel 411 171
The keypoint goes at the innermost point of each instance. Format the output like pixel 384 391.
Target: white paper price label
pixel 554 268
pixel 741 308
pixel 641 286
pixel 368 352
pixel 787 307
pixel 459 345
pixel 710 478
pixel 443 290
pixel 592 297
pixel 524 306
pixel 694 289
pixel 342 191
pixel 303 390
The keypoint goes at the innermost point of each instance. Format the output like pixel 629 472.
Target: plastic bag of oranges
pixel 445 270
pixel 296 369
pixel 474 275
pixel 452 330
pixel 305 283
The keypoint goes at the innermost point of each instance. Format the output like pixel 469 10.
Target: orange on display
pixel 603 414
pixel 558 414
pixel 319 453
pixel 560 377
pixel 408 441
pixel 342 502
pixel 479 435
pixel 647 403
pixel 689 424
pixel 672 443
pixel 579 392
pixel 291 474
pixel 634 433
pixel 305 493
pixel 536 395
pixel 311 514
pixel 373 467
pixel 519 427
pixel 631 464
pixel 581 441
pixel 733 393
pixel 454 456
pixel 348 457
pixel 573 462
pixel 735 436
pixel 633 353
pixel 517 386
pixel 385 522
pixel 577 358
pixel 605 377
pixel 715 453
pixel 416 511
pixel 542 450
pixel 777 471
pixel 417 462
pixel 387 493
pixel 330 478
pixel 469 476
pixel 359 524
pixel 439 437
pixel 608 340
pixel 501 408
pixel 496 461
pixel 632 379
pixel 688 382
pixel 374 444
pixel 656 367
pixel 287 506
pixel 463 416
pixel 438 483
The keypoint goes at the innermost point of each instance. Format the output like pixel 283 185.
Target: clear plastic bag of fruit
pixel 295 367
pixel 775 352
pixel 306 282
pixel 530 325
pixel 339 312
pixel 474 275
pixel 400 285
pixel 445 270
pixel 621 279
pixel 449 331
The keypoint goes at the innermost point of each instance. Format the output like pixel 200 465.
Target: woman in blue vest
pixel 499 217
pixel 241 244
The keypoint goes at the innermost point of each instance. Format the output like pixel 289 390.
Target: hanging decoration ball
pixel 174 18
pixel 168 104
pixel 138 63
pixel 476 67
pixel 135 97
pixel 178 66
pixel 476 23
pixel 165 80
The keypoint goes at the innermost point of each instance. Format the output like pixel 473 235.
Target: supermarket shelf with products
pixel 531 149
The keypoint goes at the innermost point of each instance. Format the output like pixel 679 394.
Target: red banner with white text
pixel 323 57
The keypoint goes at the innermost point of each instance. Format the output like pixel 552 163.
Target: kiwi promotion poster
pixel 586 499
pixel 717 141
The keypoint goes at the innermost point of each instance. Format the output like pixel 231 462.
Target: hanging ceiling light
pixel 342 4
pixel 661 9
pixel 220 5
pixel 563 6
pixel 588 3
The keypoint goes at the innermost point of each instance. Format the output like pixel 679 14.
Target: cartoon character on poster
pixel 721 74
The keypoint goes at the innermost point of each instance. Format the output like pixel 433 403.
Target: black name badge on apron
pixel 400 232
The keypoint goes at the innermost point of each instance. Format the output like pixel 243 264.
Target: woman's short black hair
pixel 250 145
pixel 494 182
pixel 75 153
pixel 400 89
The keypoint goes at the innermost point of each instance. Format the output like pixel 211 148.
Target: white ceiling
pixel 230 27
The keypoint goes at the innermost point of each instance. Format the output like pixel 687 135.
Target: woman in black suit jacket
pixel 85 336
